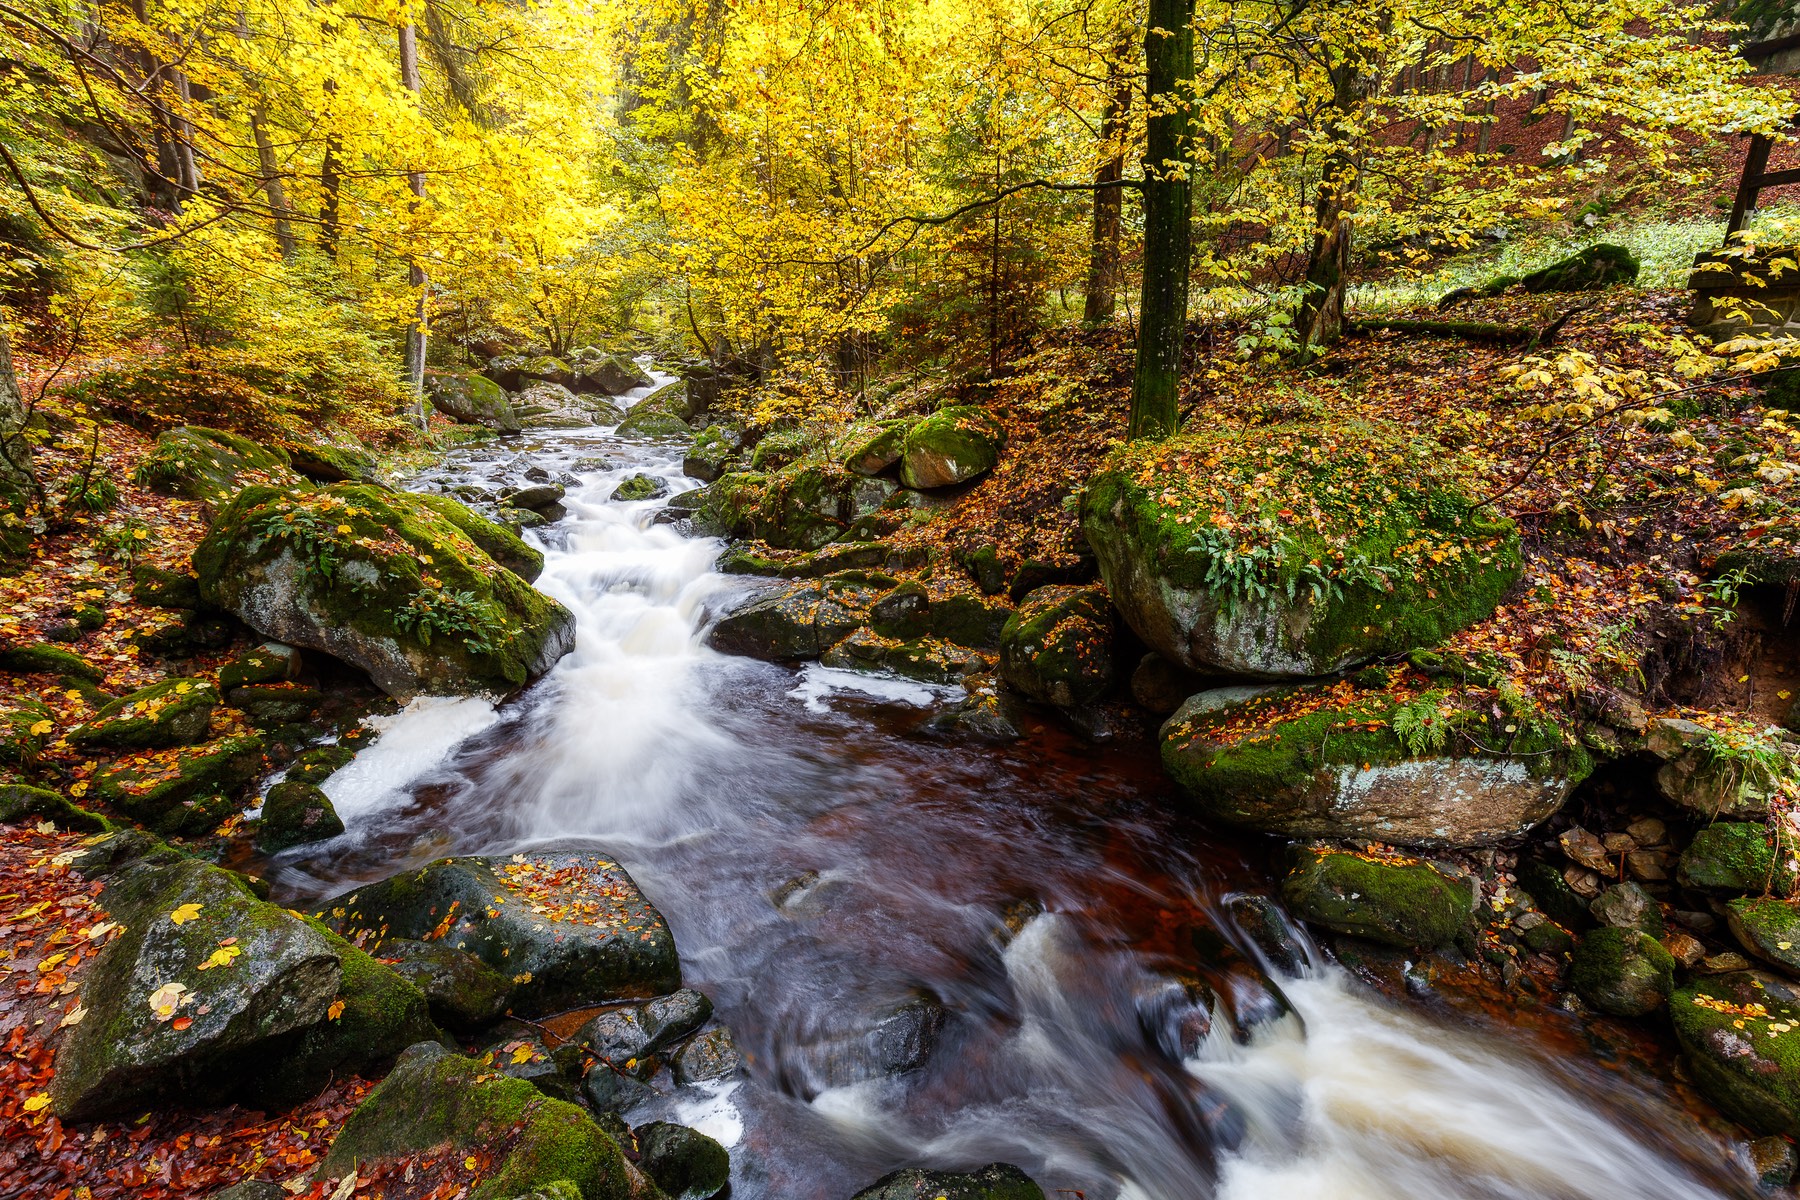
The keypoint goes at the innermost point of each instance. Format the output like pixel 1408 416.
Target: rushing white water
pixel 822 862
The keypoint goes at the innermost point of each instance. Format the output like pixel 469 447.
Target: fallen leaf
pixel 185 913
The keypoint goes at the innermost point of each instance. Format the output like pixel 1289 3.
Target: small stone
pixel 1628 906
pixel 1648 866
pixel 1583 883
pixel 1685 948
pixel 709 1055
pixel 1648 832
pixel 1724 963
pixel 1773 1159
pixel 1624 972
pixel 1619 843
pixel 1585 849
pixel 1698 922
pixel 1526 922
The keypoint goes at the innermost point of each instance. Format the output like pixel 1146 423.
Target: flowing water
pixel 1032 931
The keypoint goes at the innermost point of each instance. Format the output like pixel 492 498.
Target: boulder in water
pixel 568 927
pixel 640 487
pixel 1386 898
pixel 473 399
pixel 803 506
pixel 1741 1036
pixel 658 415
pixel 777 626
pixel 406 587
pixel 684 1163
pixel 293 814
pixel 552 406
pixel 1225 551
pixel 951 446
pixel 996 1181
pixel 707 1056
pixel 1057 648
pixel 211 464
pixel 613 374
pixel 435 1099
pixel 1622 972
pixel 1332 761
pixel 714 451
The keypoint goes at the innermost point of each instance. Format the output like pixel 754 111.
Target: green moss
pixel 970 620
pixel 1769 929
pixel 658 415
pixel 19 802
pixel 189 791
pixel 1057 648
pixel 293 814
pixel 496 541
pixel 1741 1036
pixel 1624 972
pixel 435 1099
pixel 42 659
pixel 1737 857
pixel 175 712
pixel 779 448
pixel 319 763
pixel 951 446
pixel 1396 901
pixel 872 447
pixel 639 487
pixel 210 464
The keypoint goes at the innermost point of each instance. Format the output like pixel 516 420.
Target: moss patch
pixel 1391 899
pixel 1737 858
pixel 1741 1034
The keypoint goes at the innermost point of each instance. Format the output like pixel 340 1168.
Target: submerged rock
pixel 1392 557
pixel 1390 899
pixel 568 927
pixel 707 1056
pixel 1057 648
pixel 996 1181
pixel 410 588
pixel 1341 767
pixel 435 1099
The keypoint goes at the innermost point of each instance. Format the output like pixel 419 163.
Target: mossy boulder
pixel 1622 972
pixel 154 587
pixel 322 462
pixel 1057 648
pixel 779 448
pixel 996 1181
pixel 496 541
pixel 207 992
pixel 640 487
pixel 293 814
pixel 464 993
pixel 175 712
pixel 872 447
pixel 1287 551
pixel 973 620
pixel 553 406
pixel 1386 898
pixel 568 927
pixel 473 399
pixel 714 451
pixel 187 790
pixel 39 658
pixel 1741 1036
pixel 22 802
pixel 613 374
pixel 684 1163
pixel 403 586
pixel 658 415
pixel 1715 785
pixel 1333 761
pixel 803 506
pixel 778 626
pixel 1587 270
pixel 1768 928
pixel 211 464
pixel 1738 858
pixel 271 662
pixel 435 1100
pixel 951 446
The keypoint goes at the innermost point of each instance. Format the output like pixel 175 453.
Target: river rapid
pixel 1031 930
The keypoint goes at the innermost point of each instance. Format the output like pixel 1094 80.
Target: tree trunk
pixel 272 189
pixel 415 273
pixel 1168 213
pixel 1321 316
pixel 1103 250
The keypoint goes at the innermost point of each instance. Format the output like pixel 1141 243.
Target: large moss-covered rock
pixel 613 374
pixel 778 626
pixel 1287 551
pixel 714 451
pixel 208 992
pixel 22 802
pixel 389 582
pixel 1329 761
pixel 474 399
pixel 1741 1035
pixel 658 415
pixel 1738 857
pixel 1623 972
pixel 1716 785
pixel 322 462
pixel 952 445
pixel 553 406
pixel 567 926
pixel 872 447
pixel 435 1100
pixel 189 790
pixel 1385 898
pixel 996 1181
pixel 496 541
pixel 211 464
pixel 803 506
pixel 1768 928
pixel 1057 648
pixel 41 658
pixel 175 712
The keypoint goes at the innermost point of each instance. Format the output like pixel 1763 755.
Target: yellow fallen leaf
pixel 73 1017
pixel 470 1163
pixel 335 1011
pixel 37 1102
pixel 222 957
pixel 78 788
pixel 166 999
pixel 522 1054
pixel 40 728
pixel 185 913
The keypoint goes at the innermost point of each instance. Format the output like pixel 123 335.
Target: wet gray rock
pixel 1628 906
pixel 684 1163
pixel 668 1019
pixel 536 496
pixel 707 1056
pixel 464 993
pixel 996 1181
pixel 610 1090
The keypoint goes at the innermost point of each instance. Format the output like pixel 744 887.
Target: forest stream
pixel 932 951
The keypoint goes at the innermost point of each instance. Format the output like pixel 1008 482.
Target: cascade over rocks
pixel 210 992
pixel 413 589
pixel 1280 552
pixel 661 414
pixel 1328 761
pixel 567 926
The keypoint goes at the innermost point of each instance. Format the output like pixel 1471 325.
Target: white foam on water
pixel 412 743
pixel 708 1108
pixel 817 684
